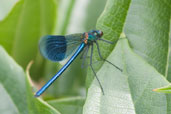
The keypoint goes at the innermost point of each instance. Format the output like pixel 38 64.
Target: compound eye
pixel 100 33
pixel 95 33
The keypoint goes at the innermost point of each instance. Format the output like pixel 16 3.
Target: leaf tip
pixel 155 90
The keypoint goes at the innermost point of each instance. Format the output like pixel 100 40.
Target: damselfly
pixel 57 48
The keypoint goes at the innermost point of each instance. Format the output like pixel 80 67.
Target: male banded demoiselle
pixel 57 48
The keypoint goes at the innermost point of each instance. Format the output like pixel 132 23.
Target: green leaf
pixel 147 28
pixel 8 27
pixel 5 7
pixel 12 86
pixel 16 96
pixel 169 63
pixel 111 22
pixel 129 91
pixel 20 31
pixel 93 13
pixel 36 19
pixel 36 105
pixel 166 89
pixel 64 15
pixel 73 105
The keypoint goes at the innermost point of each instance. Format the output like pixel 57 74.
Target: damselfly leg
pixel 91 57
pixel 98 49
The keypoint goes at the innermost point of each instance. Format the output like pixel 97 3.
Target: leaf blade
pixel 147 28
pixel 16 94
pixel 111 22
pixel 72 105
pixel 129 91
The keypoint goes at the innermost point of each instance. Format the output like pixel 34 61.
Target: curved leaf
pixel 64 16
pixel 22 28
pixel 15 94
pixel 12 81
pixel 169 63
pixel 165 89
pixel 111 22
pixel 93 11
pixel 147 28
pixel 5 7
pixel 9 25
pixel 72 105
pixel 129 91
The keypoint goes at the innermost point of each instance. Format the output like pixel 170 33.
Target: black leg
pixel 109 42
pixel 93 69
pixel 98 49
pixel 85 55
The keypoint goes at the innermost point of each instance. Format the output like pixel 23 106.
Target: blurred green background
pixel 24 22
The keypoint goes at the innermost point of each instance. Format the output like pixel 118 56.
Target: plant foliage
pixel 140 30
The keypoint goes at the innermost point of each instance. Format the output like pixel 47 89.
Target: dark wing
pixel 57 48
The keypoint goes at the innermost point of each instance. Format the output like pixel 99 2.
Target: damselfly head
pixel 96 33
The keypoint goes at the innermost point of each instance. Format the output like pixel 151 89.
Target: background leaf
pixel 165 89
pixel 12 84
pixel 8 25
pixel 21 30
pixel 147 28
pixel 65 13
pixel 15 96
pixel 169 60
pixel 72 105
pixel 128 92
pixel 5 7
pixel 111 22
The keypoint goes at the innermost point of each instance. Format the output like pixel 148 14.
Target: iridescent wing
pixel 57 48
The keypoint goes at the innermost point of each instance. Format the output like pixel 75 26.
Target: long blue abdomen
pixel 78 51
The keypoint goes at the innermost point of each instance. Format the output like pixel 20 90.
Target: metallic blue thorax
pixel 92 37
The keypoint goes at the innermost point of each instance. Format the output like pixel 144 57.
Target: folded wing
pixel 57 48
